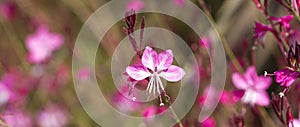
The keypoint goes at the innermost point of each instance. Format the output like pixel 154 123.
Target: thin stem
pixel 173 112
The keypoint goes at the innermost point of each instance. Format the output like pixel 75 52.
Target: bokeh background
pixel 36 47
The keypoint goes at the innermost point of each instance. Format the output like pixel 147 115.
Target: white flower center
pixel 155 84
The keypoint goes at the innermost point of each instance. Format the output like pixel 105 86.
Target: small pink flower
pixel 124 104
pixel 254 87
pixel 286 76
pixel 155 66
pixel 17 119
pixel 5 94
pixel 205 42
pixel 296 122
pixel 152 110
pixel 42 43
pixel 226 98
pixel 8 10
pixel 260 30
pixel 52 116
pixel 179 2
pixel 209 122
pixel 135 5
pixel 83 74
pixel 283 21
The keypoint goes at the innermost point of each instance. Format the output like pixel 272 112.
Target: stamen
pixel 281 94
pixel 133 98
pixel 154 85
pixel 160 100
pixel 149 83
pixel 149 89
pixel 160 84
pixel 266 74
pixel 161 104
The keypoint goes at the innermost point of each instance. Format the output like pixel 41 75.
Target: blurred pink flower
pixel 5 94
pixel 284 21
pixel 227 98
pixel 159 66
pixel 135 5
pixel 83 74
pixel 8 10
pixel 260 31
pixel 17 118
pixel 151 111
pixel 254 87
pixel 124 104
pixel 286 76
pixel 42 43
pixel 179 2
pixel 296 122
pixel 17 85
pixel 205 42
pixel 209 122
pixel 52 116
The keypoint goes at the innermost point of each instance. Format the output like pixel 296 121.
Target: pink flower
pixel 155 66
pixel 296 123
pixel 254 87
pixel 205 42
pixel 179 2
pixel 42 43
pixel 17 119
pixel 124 104
pixel 135 5
pixel 5 94
pixel 52 116
pixel 283 21
pixel 209 122
pixel 260 30
pixel 286 76
pixel 8 10
pixel 151 111
pixel 83 74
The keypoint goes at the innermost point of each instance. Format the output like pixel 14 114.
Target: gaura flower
pixel 296 122
pixel 209 122
pixel 155 66
pixel 284 21
pixel 254 87
pixel 42 43
pixel 286 76
pixel 8 10
pixel 135 5
pixel 52 116
pixel 289 74
pixel 260 31
pixel 17 118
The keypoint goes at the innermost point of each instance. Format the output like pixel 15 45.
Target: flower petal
pixel 137 72
pixel 239 81
pixel 149 58
pixel 173 73
pixel 262 83
pixel 262 99
pixel 165 60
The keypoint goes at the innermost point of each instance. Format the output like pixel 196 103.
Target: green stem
pixel 173 112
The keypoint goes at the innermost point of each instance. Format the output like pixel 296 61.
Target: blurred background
pixel 36 47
